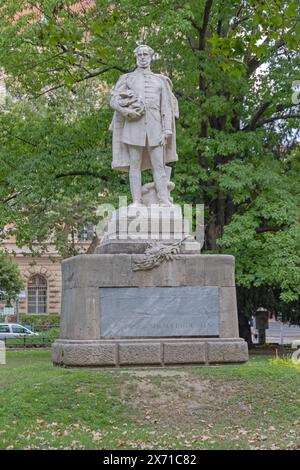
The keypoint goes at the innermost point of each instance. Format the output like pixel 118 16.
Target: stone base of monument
pixel 182 311
pixel 150 352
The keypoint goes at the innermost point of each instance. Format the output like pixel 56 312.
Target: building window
pixel 86 232
pixel 37 294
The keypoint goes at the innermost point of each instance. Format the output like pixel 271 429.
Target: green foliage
pixel 286 362
pixel 41 323
pixel 264 233
pixel 10 279
pixel 55 169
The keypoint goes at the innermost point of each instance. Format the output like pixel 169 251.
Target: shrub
pixel 41 322
pixel 285 361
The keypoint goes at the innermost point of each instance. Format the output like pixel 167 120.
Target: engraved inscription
pixel 130 312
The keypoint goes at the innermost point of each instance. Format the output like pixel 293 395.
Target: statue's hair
pixel 150 50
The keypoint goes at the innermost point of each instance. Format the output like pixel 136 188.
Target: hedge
pixel 41 322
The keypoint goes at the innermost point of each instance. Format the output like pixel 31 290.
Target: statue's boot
pixel 135 180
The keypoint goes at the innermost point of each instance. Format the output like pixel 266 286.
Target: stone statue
pixel 143 126
pixel 147 296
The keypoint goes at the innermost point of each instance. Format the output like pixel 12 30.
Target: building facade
pixel 42 277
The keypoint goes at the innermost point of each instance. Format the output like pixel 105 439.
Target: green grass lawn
pixel 249 406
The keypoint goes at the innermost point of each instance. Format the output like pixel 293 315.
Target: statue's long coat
pixel 161 110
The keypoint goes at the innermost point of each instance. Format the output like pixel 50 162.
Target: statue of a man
pixel 143 126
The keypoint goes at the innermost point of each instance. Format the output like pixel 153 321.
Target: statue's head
pixel 143 55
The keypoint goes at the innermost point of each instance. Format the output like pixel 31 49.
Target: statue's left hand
pixel 132 114
pixel 164 137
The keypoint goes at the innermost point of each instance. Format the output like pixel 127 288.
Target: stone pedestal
pixel 132 229
pixel 183 311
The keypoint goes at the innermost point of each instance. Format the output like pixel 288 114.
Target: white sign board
pixel 8 311
pixel 22 295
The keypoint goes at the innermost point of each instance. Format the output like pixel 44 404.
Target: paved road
pixel 289 333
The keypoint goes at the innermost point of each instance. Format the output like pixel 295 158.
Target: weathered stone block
pixel 80 314
pixel 115 270
pixel 85 354
pixel 140 353
pixel 219 270
pixel 185 353
pixel 228 313
pixel 231 351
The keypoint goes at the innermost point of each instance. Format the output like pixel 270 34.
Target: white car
pixel 13 330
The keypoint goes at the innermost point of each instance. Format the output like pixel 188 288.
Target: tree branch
pixel 20 138
pixel 277 118
pixel 257 116
pixel 180 94
pixel 203 29
pixel 86 77
pixel 26 67
pixel 81 173
pixel 194 24
pixel 268 229
pixel 254 63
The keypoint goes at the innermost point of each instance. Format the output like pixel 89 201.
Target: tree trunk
pixel 216 222
pixel 245 309
pixel 245 329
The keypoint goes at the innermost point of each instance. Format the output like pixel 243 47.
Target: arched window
pixel 37 294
